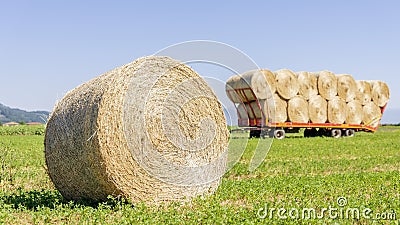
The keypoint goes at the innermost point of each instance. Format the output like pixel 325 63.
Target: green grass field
pixel 298 174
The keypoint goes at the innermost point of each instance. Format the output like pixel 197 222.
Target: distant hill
pixel 8 114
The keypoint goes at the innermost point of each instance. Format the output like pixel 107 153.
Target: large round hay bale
pixel 150 131
pixel 337 110
pixel 271 80
pixel 277 109
pixel 347 87
pixel 354 112
pixel 255 84
pixel 371 114
pixel 287 85
pixel 308 84
pixel 298 110
pixel 327 84
pixel 380 92
pixel 318 109
pixel 364 90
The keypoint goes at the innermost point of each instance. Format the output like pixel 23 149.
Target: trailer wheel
pixel 350 133
pixel 314 132
pixel 310 132
pixel 279 134
pixel 307 133
pixel 255 133
pixel 336 133
pixel 322 132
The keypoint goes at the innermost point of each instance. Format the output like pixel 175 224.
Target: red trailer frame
pixel 262 124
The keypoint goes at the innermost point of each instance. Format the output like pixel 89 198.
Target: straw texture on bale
pixel 319 97
pixel 150 131
pixel 271 80
pixel 380 93
pixel 277 109
pixel 308 84
pixel 298 110
pixel 337 110
pixel 261 82
pixel 318 109
pixel 238 82
pixel 327 85
pixel 347 87
pixel 371 114
pixel 287 85
pixel 354 112
pixel 364 91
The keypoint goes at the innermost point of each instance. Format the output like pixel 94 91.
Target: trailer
pixel 263 128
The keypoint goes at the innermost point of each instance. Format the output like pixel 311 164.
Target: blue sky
pixel 50 47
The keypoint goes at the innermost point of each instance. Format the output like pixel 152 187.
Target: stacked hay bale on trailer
pixel 322 102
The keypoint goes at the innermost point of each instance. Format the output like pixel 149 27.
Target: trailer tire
pixel 310 132
pixel 307 133
pixel 255 133
pixel 314 132
pixel 336 133
pixel 350 133
pixel 279 134
pixel 322 132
